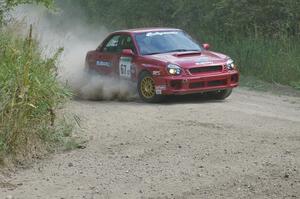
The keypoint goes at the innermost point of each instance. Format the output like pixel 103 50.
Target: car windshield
pixel 157 42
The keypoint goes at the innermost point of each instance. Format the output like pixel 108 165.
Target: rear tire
pixel 220 94
pixel 146 88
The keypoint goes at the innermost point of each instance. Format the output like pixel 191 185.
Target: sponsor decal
pixel 103 63
pixel 203 60
pixel 156 72
pixel 158 92
pixel 151 34
pixel 209 62
pixel 125 67
pixel 161 87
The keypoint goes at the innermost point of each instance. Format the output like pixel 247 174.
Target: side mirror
pixel 127 52
pixel 206 46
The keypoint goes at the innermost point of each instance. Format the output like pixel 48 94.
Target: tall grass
pixel 29 95
pixel 271 60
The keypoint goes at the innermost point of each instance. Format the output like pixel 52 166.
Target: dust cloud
pixel 77 38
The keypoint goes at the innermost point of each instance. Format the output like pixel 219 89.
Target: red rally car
pixel 164 61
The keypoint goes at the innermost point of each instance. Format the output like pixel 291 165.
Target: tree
pixel 243 17
pixel 7 5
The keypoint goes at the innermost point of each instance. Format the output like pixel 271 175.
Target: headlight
pixel 230 64
pixel 174 69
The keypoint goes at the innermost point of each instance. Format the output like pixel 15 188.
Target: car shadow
pixel 183 99
pixel 190 99
pixel 168 100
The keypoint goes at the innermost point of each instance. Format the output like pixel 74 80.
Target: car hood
pixel 191 59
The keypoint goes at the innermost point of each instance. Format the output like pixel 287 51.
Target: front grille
pixel 176 84
pixel 206 69
pixel 197 85
pixel 217 83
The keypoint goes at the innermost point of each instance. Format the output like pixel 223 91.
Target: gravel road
pixel 247 146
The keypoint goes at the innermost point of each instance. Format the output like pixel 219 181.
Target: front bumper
pixel 180 85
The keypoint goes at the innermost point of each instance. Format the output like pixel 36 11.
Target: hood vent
pixel 187 54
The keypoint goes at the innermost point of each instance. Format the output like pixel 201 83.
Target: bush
pixel 275 61
pixel 29 95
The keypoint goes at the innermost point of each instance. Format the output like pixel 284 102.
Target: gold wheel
pixel 148 87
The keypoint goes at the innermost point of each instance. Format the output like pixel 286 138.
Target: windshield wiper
pixel 182 50
pixel 154 53
pixel 176 50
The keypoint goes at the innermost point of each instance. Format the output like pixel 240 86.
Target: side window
pixel 127 43
pixel 112 46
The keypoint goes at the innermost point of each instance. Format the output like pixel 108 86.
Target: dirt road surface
pixel 245 147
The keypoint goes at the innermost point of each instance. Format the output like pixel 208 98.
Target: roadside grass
pixel 30 96
pixel 272 60
pixel 256 84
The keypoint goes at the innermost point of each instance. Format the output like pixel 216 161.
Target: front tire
pixel 146 88
pixel 220 94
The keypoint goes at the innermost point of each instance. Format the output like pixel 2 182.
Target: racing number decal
pixel 125 67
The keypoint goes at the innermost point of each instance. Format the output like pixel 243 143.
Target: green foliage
pixel 296 85
pixel 275 61
pixel 7 5
pixel 254 17
pixel 248 17
pixel 14 3
pixel 29 95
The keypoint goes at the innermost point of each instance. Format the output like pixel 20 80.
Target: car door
pixel 126 67
pixel 106 58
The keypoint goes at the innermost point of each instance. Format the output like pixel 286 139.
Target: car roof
pixel 142 30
